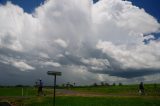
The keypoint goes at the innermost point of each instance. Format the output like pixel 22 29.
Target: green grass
pixel 10 91
pixel 150 90
pixel 88 101
pixel 17 91
pixel 128 96
pixel 118 90
pixel 132 90
pixel 95 101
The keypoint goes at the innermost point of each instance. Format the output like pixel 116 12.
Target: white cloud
pixel 17 29
pixel 120 22
pixel 61 43
pixel 54 64
pixel 18 63
pixel 22 65
pixel 135 57
pixel 60 55
pixel 43 55
pixel 94 61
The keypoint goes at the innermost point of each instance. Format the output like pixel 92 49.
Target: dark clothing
pixel 141 88
pixel 40 90
pixel 40 87
pixel 40 84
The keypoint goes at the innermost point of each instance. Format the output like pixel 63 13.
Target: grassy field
pixel 150 89
pixel 126 95
pixel 88 101
pixel 17 91
pixel 97 101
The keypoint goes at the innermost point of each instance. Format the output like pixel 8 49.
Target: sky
pixel 106 40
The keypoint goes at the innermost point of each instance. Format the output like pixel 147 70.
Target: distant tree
pixel 19 86
pixel 95 84
pixel 102 83
pixel 114 84
pixel 155 85
pixel 107 84
pixel 68 85
pixel 57 85
pixel 63 85
pixel 71 85
pixel 120 84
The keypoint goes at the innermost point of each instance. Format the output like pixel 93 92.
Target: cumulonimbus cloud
pixel 99 38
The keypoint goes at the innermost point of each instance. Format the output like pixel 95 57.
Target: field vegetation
pixel 102 95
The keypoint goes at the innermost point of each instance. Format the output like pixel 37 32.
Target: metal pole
pixel 54 96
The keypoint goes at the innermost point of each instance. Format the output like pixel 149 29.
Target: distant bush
pixel 95 84
pixel 102 84
pixel 114 84
pixel 107 84
pixel 22 86
pixel 120 84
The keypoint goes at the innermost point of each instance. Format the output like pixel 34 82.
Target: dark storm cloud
pixel 128 74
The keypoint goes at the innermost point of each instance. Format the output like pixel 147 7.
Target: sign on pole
pixel 54 73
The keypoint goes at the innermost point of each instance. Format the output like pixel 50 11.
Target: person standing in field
pixel 40 87
pixel 141 88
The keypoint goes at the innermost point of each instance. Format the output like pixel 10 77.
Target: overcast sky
pixel 110 40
